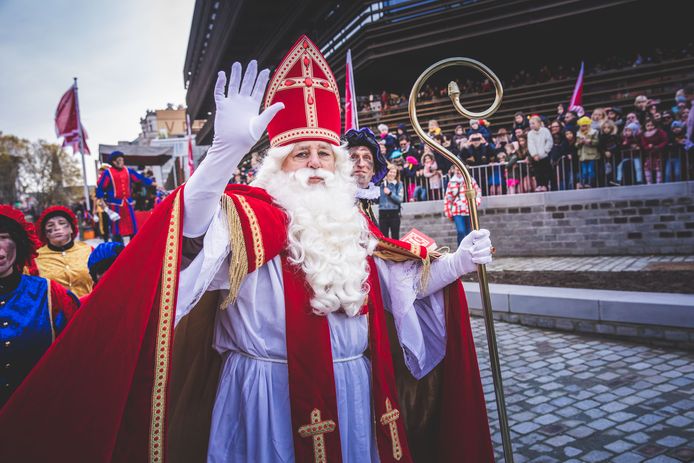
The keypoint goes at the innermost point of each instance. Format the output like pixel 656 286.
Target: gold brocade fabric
pixel 69 268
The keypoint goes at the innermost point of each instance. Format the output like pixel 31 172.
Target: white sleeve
pixel 206 271
pixel 203 190
pixel 419 322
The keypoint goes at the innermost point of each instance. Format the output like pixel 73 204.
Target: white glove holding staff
pixel 237 127
pixel 475 249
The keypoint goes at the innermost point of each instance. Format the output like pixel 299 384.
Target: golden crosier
pixel 470 194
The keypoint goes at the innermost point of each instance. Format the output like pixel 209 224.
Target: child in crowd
pixel 653 141
pixel 608 146
pixel 455 205
pixel 631 154
pixel 588 154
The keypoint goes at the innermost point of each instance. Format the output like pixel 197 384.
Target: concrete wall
pixel 632 220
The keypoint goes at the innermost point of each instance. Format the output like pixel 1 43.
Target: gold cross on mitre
pixel 316 430
pixel 389 419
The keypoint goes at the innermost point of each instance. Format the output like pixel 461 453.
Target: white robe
pixel 251 418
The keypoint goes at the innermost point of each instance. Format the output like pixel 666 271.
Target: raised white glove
pixel 476 248
pixel 237 127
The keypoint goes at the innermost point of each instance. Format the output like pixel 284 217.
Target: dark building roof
pixel 392 42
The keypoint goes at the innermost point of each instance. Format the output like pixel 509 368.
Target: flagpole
pixel 355 102
pixel 87 202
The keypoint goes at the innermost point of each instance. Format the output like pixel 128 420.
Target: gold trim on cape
pixel 167 295
pixel 258 247
pixel 238 263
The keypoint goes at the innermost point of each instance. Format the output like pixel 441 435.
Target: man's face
pixel 8 254
pixel 534 124
pixel 58 231
pixel 476 140
pixel 119 162
pixel 518 119
pixel 404 145
pixel 631 117
pixel 310 155
pixel 642 104
pixel 363 165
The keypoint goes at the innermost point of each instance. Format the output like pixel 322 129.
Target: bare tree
pixel 12 152
pixel 49 174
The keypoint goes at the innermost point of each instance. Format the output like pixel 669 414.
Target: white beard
pixel 327 236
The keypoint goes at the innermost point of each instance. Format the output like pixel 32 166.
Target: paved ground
pixel 579 399
pixel 591 264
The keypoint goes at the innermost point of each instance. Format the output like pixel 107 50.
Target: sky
pixel 128 57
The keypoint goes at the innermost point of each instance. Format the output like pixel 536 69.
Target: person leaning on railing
pixel 455 205
pixel 389 204
pixel 673 165
pixel 608 146
pixel 588 154
pixel 653 142
pixel 539 145
pixel 630 149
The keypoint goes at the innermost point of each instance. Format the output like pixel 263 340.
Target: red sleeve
pixel 63 301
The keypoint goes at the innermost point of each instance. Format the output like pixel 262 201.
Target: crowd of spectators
pixel 384 101
pixel 571 149
pixel 647 143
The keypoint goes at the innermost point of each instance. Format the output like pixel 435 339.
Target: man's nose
pixel 314 161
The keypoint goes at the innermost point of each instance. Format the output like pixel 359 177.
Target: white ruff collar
pixel 372 192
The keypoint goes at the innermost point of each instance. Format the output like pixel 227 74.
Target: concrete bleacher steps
pixel 655 318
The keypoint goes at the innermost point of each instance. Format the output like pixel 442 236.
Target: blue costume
pixel 27 329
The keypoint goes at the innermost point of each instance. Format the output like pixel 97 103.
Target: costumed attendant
pixel 276 292
pixel 61 258
pixel 33 310
pixel 101 259
pixel 115 185
pixel 370 166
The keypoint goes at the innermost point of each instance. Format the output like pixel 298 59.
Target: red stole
pixel 313 398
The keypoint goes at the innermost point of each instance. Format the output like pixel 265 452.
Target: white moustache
pixel 303 175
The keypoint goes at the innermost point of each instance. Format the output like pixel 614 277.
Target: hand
pixel 475 249
pixel 536 158
pixel 237 122
pixel 386 190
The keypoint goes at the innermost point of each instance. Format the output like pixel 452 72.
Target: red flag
pixel 191 163
pixel 577 97
pixel 351 121
pixel 67 122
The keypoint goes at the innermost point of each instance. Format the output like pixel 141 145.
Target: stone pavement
pixel 591 264
pixel 573 398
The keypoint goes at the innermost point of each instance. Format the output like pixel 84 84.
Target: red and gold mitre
pixel 305 84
